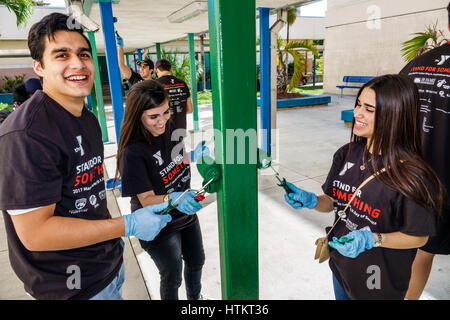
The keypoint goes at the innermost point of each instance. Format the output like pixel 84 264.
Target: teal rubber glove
pixel 144 223
pixel 119 41
pixel 298 195
pixel 354 243
pixel 186 204
pixel 200 151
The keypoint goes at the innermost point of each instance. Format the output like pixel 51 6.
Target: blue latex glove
pixel 119 41
pixel 355 243
pixel 144 223
pixel 186 204
pixel 298 195
pixel 199 151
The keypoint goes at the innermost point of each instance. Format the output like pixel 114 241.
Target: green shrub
pixel 9 84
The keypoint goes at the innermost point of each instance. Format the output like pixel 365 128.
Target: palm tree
pixel 294 49
pixel 23 9
pixel 423 42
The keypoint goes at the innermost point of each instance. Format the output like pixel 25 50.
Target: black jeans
pixel 168 252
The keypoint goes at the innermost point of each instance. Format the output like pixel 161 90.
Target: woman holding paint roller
pixel 154 169
pixel 375 239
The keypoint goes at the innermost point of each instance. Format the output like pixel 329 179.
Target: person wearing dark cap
pixel 146 66
pixel 178 91
pixel 33 84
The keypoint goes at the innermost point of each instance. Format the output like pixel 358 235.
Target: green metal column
pixel 127 59
pixel 98 89
pixel 232 29
pixel 158 51
pixel 94 102
pixel 193 79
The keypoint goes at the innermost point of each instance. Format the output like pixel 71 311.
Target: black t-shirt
pixel 160 167
pixel 135 77
pixel 431 74
pixel 379 209
pixel 179 93
pixel 50 156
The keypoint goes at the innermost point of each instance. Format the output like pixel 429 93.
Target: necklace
pixel 362 167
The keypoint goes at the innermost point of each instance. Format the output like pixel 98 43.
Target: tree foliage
pixel 23 9
pixel 422 42
pixel 294 49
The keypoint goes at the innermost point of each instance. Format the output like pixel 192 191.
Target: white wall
pixel 356 44
pixel 303 28
pixel 8 26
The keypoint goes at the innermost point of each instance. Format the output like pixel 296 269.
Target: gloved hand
pixel 186 204
pixel 355 243
pixel 298 195
pixel 199 151
pixel 144 223
pixel 119 41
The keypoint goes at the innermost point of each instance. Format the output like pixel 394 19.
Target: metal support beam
pixel 115 84
pixel 264 68
pixel 232 27
pixel 127 59
pixel 274 29
pixel 314 71
pixel 193 80
pixel 158 51
pixel 99 104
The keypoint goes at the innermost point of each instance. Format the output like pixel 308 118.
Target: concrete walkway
pixel 307 140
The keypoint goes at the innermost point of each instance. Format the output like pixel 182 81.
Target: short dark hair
pixel 47 27
pixel 163 65
pixel 20 94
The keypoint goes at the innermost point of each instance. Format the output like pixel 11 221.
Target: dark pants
pixel 168 252
pixel 339 292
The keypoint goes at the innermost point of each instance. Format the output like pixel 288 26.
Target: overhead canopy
pixel 143 23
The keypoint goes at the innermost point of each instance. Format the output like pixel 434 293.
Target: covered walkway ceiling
pixel 143 23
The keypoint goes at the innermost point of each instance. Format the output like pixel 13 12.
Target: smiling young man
pixel 62 241
pixel 146 66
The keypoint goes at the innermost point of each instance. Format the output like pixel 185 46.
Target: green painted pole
pixel 127 59
pixel 158 51
pixel 98 89
pixel 232 29
pixel 193 80
pixel 94 102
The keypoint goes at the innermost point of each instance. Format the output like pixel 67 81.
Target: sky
pixel 316 9
pixel 56 3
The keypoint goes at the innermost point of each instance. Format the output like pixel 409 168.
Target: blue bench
pixel 353 79
pixel 347 115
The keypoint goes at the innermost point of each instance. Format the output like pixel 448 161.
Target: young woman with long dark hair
pixel 374 242
pixel 154 169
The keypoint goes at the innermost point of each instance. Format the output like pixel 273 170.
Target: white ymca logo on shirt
pixel 442 61
pixel 158 157
pixel 80 147
pixel 347 166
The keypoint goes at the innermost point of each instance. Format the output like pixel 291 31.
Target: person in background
pixel 146 66
pixel 22 92
pixel 430 73
pixel 178 91
pixel 374 242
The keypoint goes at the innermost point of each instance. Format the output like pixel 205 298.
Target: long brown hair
pixel 396 142
pixel 144 95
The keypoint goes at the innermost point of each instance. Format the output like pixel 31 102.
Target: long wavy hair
pixel 143 96
pixel 396 142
